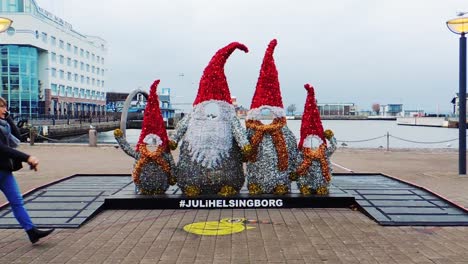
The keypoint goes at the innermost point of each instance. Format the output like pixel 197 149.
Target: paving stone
pixel 55 206
pixel 378 215
pixel 382 191
pixel 65 199
pixel 421 203
pixel 421 210
pixel 392 197
pixel 71 192
pixel 49 213
pixel 433 219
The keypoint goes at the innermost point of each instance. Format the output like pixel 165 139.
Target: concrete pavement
pixel 278 236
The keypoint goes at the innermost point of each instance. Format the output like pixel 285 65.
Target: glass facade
pixel 19 79
pixel 17 6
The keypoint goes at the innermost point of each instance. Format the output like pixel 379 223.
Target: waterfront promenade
pixel 279 236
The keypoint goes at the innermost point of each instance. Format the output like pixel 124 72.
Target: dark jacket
pixel 10 158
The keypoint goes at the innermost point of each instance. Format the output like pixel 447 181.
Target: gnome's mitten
pixel 118 133
pixel 293 176
pixel 247 152
pixel 328 134
pixel 172 145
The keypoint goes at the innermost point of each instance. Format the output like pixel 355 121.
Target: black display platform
pixel 68 202
pixel 174 199
pixel 393 202
pixel 71 201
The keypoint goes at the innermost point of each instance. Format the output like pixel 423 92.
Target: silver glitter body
pixel 314 178
pixel 210 178
pixel 264 171
pixel 152 178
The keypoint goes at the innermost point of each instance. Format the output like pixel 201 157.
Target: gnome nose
pixel 211 110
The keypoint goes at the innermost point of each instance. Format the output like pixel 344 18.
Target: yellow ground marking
pixel 225 226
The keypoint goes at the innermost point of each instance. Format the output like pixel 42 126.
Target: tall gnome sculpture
pixel 153 170
pixel 210 160
pixel 274 147
pixel 315 170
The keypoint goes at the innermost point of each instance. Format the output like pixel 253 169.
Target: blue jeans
pixel 10 188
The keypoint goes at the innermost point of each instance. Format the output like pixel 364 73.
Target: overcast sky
pixel 362 52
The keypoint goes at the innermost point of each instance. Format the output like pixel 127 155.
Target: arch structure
pixel 128 101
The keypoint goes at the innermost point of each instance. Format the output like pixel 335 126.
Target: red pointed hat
pixel 311 122
pixel 213 84
pixel 268 91
pixel 153 122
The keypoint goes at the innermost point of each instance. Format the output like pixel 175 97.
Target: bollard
pixel 32 135
pixel 92 137
pixel 388 141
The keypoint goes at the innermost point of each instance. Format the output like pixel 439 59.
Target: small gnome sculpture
pixel 153 170
pixel 315 170
pixel 274 148
pixel 211 152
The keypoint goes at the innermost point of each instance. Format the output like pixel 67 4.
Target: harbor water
pixel 352 134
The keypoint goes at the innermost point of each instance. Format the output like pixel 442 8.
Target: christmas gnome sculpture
pixel 153 170
pixel 274 148
pixel 314 170
pixel 211 152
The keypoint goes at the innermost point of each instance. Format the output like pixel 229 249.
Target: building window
pixel 87 67
pixel 69 76
pixel 68 61
pixel 75 50
pixel 93 69
pixel 44 37
pixel 61 74
pixel 53 41
pixel 61 59
pixel 82 78
pixel 82 66
pixel 61 44
pixel 75 64
pixel 53 57
pixel 76 77
pixel 61 89
pixel 69 47
pixel 81 52
pixel 87 54
pixel 53 72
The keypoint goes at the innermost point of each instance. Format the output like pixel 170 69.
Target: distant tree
pixel 376 108
pixel 291 109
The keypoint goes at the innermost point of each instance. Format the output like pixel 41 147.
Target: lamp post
pixel 460 26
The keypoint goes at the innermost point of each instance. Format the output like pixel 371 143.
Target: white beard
pixel 210 140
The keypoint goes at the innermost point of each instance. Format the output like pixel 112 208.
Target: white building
pixel 336 109
pixel 48 68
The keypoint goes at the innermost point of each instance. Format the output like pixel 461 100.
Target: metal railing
pixel 388 136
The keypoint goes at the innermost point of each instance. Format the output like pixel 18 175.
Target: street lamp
pixel 5 23
pixel 460 26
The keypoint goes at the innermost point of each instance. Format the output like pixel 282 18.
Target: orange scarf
pixel 274 129
pixel 147 156
pixel 311 155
